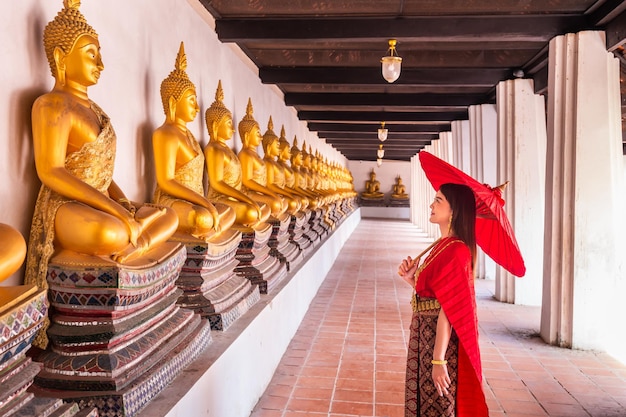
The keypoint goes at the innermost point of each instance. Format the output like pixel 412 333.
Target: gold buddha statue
pixel 253 169
pixel 372 188
pixel 179 160
pixel 284 157
pixel 275 171
pixel 398 191
pixel 12 253
pixel 224 168
pixel 300 175
pixel 80 212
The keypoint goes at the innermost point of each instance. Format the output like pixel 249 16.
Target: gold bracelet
pixel 436 362
pixel 123 200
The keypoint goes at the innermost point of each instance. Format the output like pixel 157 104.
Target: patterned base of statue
pixel 399 202
pixel 317 232
pixel 209 283
pixel 117 336
pixel 255 261
pixel 23 310
pixel 372 202
pixel 328 221
pixel 281 246
pixel 298 225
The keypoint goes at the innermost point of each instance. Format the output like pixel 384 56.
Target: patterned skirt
pixel 421 396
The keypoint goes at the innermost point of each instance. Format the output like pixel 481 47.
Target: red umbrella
pixel 494 233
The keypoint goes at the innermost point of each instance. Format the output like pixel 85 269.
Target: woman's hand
pixel 407 269
pixel 441 379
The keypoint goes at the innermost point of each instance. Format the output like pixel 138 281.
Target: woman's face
pixel 440 211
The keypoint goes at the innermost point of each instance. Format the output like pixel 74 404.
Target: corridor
pixel 348 356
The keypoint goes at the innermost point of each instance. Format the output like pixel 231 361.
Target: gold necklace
pixel 432 256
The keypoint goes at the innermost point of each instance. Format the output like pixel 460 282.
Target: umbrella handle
pixel 417 259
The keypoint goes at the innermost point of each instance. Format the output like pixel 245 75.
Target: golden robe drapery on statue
pixel 99 153
pixel 189 175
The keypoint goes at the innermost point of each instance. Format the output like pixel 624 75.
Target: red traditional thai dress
pixel 445 280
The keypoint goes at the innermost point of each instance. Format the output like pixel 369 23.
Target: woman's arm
pixel 440 368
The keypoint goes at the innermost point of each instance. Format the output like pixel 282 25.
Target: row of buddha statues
pixel 122 295
pixel 372 194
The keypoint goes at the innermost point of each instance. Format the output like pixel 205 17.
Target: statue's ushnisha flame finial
pixel 269 136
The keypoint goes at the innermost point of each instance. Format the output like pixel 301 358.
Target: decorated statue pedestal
pixel 23 310
pixel 372 202
pixel 399 202
pixel 298 225
pixel 255 261
pixel 117 336
pixel 315 226
pixel 282 247
pixel 209 283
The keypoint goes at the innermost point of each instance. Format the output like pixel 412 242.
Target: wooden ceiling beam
pixel 382 99
pixel 430 28
pixel 395 127
pixel 387 116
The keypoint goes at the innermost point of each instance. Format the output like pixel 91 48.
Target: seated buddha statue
pixel 300 175
pixel 372 188
pixel 398 191
pixel 284 158
pixel 80 211
pixel 275 171
pixel 179 160
pixel 224 168
pixel 253 169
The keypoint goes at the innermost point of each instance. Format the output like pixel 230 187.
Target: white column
pixel 522 160
pixel 584 205
pixel 461 144
pixel 483 127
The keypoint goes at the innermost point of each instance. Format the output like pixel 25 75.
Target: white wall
pixel 139 41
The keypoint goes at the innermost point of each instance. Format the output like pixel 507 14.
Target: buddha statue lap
pixel 224 168
pixel 372 188
pixel 253 168
pixel 179 161
pixel 275 171
pixel 398 191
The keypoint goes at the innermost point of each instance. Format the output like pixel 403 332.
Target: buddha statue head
pixel 249 129
pixel 61 35
pixel 283 146
pixel 296 154
pixel 176 86
pixel 219 120
pixel 271 146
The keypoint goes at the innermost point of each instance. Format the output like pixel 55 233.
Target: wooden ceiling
pixel 325 56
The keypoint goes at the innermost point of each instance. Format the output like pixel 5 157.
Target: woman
pixel 444 376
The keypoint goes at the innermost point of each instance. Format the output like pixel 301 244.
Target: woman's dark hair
pixel 463 205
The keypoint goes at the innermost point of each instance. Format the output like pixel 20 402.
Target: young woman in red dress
pixel 444 376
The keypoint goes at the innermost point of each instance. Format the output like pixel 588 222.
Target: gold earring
pixel 450 226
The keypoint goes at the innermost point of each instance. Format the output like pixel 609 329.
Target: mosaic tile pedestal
pixel 297 227
pixel 316 232
pixel 281 247
pixel 117 337
pixel 210 285
pixel 22 313
pixel 255 261
pixel 372 202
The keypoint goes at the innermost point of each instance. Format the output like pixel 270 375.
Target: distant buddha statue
pixel 275 171
pixel 253 169
pixel 284 158
pixel 80 211
pixel 300 175
pixel 224 168
pixel 398 190
pixel 372 188
pixel 179 160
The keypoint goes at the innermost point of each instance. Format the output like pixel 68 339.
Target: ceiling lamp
pixel 379 161
pixel 381 151
pixel 391 63
pixel 382 132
